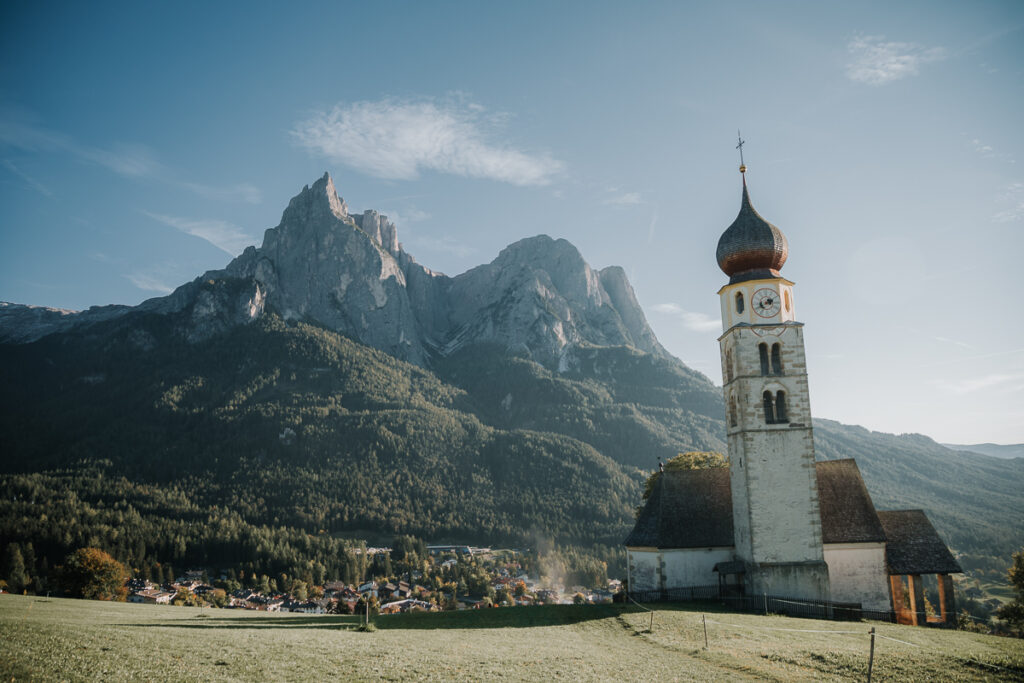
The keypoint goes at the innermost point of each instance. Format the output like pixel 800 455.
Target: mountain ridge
pixel 349 273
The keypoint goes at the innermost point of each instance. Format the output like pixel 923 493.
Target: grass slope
pixel 77 640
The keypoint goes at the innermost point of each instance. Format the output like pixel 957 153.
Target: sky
pixel 144 143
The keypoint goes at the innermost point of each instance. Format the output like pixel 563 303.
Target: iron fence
pixel 766 604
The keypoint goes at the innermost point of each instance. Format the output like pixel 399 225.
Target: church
pixel 775 522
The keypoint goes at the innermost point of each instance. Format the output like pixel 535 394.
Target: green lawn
pixel 56 639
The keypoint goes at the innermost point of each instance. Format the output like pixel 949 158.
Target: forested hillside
pixel 271 446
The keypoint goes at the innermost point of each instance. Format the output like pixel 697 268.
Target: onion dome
pixel 751 248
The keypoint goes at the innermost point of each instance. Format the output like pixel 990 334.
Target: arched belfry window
pixel 728 365
pixel 762 349
pixel 739 302
pixel 732 411
pixel 776 359
pixel 769 410
pixel 781 413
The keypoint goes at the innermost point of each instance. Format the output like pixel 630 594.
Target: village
pixel 451 577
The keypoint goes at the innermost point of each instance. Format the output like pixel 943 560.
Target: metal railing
pixel 766 604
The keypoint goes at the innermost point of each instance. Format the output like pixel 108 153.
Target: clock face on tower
pixel 766 302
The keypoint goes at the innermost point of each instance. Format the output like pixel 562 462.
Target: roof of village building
pixel 847 513
pixel 693 509
pixel 914 547
pixel 686 509
pixel 751 247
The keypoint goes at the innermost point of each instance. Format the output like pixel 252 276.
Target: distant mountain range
pixel 995 450
pixel 328 384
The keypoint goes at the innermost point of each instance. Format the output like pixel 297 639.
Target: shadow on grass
pixel 502 617
pixel 325 621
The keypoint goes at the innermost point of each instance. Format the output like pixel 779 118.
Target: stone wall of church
pixel 857 573
pixel 674 568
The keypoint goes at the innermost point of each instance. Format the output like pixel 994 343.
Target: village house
pixel 151 596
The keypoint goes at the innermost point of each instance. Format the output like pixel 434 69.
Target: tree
pixel 184 596
pixel 1013 612
pixel 691 460
pixel 14 569
pixel 219 597
pixel 93 574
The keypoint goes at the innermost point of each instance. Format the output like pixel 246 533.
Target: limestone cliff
pixel 349 273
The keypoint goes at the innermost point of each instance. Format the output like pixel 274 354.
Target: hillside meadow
pixel 76 640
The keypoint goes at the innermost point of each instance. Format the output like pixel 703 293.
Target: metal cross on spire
pixel 743 166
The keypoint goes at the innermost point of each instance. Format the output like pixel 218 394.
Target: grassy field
pixel 54 639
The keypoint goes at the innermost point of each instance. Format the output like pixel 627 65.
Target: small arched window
pixel 776 359
pixel 769 410
pixel 781 414
pixel 728 365
pixel 732 411
pixel 789 302
pixel 739 302
pixel 762 349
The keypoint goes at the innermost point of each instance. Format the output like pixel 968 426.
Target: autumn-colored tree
pixel 1013 612
pixel 93 574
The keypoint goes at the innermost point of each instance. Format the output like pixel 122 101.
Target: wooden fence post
pixel 871 657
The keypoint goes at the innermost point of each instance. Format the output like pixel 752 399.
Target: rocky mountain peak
pixel 348 272
pixel 314 204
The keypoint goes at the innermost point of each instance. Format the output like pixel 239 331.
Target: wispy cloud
pixel 989 152
pixel 221 234
pixel 875 61
pixel 954 342
pixel 651 226
pixel 148 283
pixel 398 139
pixel 698 322
pixel 29 180
pixel 406 216
pixel 1013 198
pixel 617 198
pixel 128 160
pixel 443 244
pixel 241 192
pixel 1001 382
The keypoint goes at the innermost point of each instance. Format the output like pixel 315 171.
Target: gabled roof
pixel 686 509
pixel 914 547
pixel 847 513
pixel 693 509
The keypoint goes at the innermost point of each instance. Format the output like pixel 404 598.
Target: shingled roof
pixel 847 513
pixel 693 509
pixel 914 547
pixel 686 509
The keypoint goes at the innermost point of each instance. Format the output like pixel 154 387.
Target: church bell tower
pixel 776 519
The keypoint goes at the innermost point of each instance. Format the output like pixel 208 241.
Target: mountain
pixel 994 450
pixel 326 386
pixel 349 274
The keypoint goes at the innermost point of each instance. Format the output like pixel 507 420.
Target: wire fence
pixel 766 604
pixel 815 609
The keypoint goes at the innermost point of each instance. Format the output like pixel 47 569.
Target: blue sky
pixel 143 143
